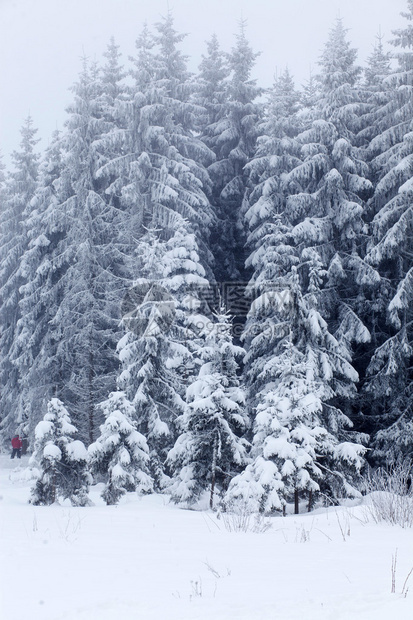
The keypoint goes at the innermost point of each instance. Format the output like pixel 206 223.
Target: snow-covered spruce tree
pixel 38 349
pixel 127 174
pixel 160 350
pixel 120 453
pixel 234 143
pixel 299 376
pixel 82 266
pixel 210 449
pixel 109 149
pixel 371 303
pixel 301 379
pixel 89 313
pixel 270 241
pixel 15 210
pixel 389 375
pixel 183 180
pixel 309 94
pixel 162 181
pixel 34 347
pixel 212 93
pixel 186 161
pixel 162 171
pixel 375 73
pixel 148 381
pixel 267 220
pixel 329 191
pixel 271 260
pixel 277 153
pixel 112 75
pixel 60 459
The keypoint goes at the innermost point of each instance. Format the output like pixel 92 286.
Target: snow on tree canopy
pixel 210 448
pixel 166 189
pixel 52 452
pixel 387 389
pixel 60 459
pixel 120 453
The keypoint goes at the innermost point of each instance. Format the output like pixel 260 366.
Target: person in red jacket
pixel 16 444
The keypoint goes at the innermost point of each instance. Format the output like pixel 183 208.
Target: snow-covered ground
pixel 148 560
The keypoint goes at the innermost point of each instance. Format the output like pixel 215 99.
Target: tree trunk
pixel 54 483
pixel 296 503
pixel 91 416
pixel 310 501
pixel 214 468
pixel 25 443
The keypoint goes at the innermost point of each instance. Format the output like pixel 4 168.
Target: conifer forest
pixel 207 286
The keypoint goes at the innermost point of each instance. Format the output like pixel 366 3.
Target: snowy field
pixel 148 560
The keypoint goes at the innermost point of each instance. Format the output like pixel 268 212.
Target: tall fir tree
pixel 304 215
pixel 377 94
pixel 88 315
pixel 211 93
pixel 330 189
pixel 162 339
pixel 267 220
pixel 165 180
pixel 389 375
pixel 16 210
pixel 234 138
pixel 162 171
pixel 303 444
pixel 75 264
pixel 270 241
pixel 34 348
pixel 210 449
pixel 378 66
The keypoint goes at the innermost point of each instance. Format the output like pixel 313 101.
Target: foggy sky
pixel 42 41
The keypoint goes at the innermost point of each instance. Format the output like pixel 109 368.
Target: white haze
pixel 41 42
